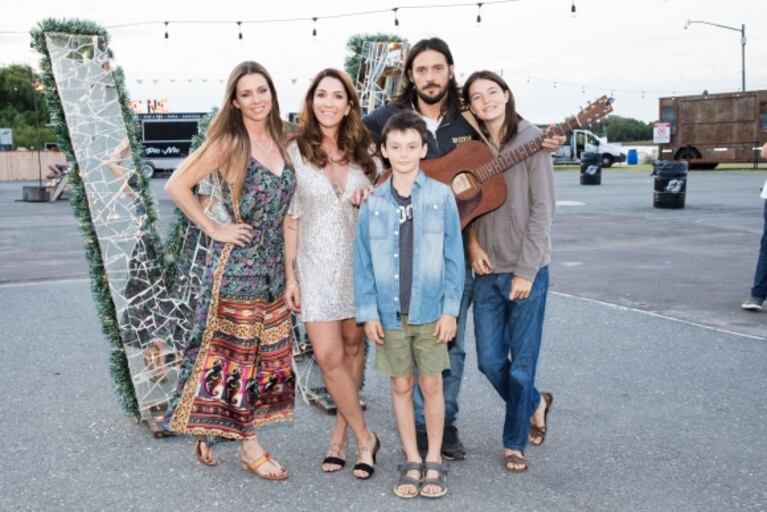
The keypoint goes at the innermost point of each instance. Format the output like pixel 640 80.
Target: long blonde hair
pixel 228 129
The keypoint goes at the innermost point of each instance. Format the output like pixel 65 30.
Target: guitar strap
pixel 466 113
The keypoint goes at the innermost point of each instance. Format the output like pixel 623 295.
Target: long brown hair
pixel 228 129
pixel 510 119
pixel 408 95
pixel 353 138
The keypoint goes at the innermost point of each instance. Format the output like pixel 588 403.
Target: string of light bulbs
pixel 528 80
pixel 642 93
pixel 313 19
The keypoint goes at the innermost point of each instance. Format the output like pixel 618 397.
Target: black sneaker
pixel 452 447
pixel 422 441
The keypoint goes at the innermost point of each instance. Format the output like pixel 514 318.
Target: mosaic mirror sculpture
pixel 145 293
pixel 153 318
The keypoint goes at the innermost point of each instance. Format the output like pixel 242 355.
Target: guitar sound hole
pixel 464 186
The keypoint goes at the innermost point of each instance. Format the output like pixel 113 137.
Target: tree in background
pixel 354 47
pixel 22 107
pixel 622 129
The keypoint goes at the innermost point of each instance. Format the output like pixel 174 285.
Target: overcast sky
pixel 610 45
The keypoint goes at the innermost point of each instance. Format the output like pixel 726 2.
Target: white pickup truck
pixel 580 141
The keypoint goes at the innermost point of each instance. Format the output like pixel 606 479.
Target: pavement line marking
pixel 659 315
pixel 43 282
pixel 570 203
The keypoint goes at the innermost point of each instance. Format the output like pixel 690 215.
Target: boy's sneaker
pixel 422 441
pixel 753 304
pixel 452 447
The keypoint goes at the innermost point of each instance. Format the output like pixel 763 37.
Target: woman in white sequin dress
pixel 334 168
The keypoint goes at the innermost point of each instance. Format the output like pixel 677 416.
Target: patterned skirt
pixel 242 376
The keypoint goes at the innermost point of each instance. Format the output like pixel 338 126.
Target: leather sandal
pixel 537 432
pixel 367 468
pixel 204 453
pixel 252 467
pixel 404 479
pixel 439 482
pixel 513 458
pixel 336 461
pixel 333 458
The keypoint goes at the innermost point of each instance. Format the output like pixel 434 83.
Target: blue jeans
pixel 508 337
pixel 760 276
pixel 451 379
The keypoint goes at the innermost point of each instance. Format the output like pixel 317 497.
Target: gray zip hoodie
pixel 517 236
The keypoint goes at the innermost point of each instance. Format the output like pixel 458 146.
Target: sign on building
pixel 661 133
pixel 6 139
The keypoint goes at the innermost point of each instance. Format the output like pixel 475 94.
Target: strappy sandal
pixel 367 468
pixel 537 432
pixel 204 453
pixel 409 480
pixel 513 458
pixel 332 459
pixel 252 467
pixel 440 481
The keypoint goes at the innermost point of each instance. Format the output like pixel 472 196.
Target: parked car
pixel 583 141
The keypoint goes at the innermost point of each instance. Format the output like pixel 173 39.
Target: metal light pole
pixel 742 31
pixel 37 136
pixel 39 193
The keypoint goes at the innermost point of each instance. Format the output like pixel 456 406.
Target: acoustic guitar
pixel 475 175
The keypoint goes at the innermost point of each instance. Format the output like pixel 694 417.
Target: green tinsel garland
pixel 175 240
pixel 121 377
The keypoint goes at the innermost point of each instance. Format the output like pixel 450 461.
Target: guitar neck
pixel 493 168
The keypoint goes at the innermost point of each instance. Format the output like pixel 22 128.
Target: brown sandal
pixel 537 432
pixel 252 467
pixel 513 458
pixel 204 453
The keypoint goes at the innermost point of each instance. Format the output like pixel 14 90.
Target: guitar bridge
pixel 463 185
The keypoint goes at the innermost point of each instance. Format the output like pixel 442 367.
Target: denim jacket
pixel 438 261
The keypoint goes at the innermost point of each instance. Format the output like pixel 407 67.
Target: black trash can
pixel 35 194
pixel 591 169
pixel 670 183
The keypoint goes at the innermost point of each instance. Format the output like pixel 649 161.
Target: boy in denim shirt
pixel 408 284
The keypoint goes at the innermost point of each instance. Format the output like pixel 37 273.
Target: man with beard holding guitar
pixel 429 87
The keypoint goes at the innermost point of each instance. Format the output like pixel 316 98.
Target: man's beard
pixel 432 100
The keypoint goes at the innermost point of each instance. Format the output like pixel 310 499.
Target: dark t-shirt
pixel 405 249
pixel 453 129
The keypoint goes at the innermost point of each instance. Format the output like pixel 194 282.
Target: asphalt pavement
pixel 658 376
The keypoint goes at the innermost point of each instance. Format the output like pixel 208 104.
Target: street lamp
pixel 37 86
pixel 742 31
pixel 38 193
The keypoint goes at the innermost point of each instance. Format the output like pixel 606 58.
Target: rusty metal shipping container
pixel 709 129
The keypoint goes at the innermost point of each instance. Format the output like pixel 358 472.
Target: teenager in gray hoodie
pixel 509 249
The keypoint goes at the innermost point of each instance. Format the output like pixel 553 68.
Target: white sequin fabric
pixel 326 230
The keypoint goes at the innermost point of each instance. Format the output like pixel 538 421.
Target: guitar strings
pixel 489 170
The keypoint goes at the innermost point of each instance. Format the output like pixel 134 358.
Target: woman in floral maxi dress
pixel 236 374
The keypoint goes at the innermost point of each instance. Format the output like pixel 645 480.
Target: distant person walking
pixel 759 290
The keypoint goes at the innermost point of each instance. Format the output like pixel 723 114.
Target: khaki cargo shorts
pixel 412 343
